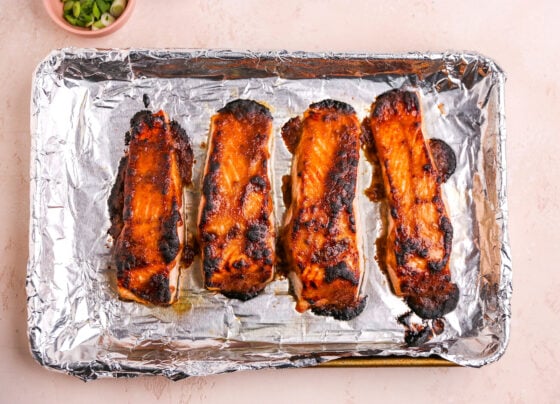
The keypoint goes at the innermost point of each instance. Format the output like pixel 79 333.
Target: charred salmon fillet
pixel 145 206
pixel 320 237
pixel 419 235
pixel 235 223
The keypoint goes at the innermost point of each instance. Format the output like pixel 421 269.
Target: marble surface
pixel 520 36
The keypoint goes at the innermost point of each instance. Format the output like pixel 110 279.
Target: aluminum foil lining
pixel 82 102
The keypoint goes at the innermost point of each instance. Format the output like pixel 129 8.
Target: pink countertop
pixel 521 36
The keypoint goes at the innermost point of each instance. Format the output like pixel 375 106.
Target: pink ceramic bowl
pixel 54 9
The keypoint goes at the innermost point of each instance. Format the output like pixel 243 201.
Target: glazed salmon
pixel 417 247
pixel 320 237
pixel 236 223
pixel 146 209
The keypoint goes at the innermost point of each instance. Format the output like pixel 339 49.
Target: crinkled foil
pixel 82 102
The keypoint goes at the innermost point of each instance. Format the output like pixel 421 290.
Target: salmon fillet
pixel 320 234
pixel 236 226
pixel 146 209
pixel 418 242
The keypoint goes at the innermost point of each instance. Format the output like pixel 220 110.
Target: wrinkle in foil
pixel 82 103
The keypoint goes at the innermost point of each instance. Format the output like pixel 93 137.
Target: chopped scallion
pixel 117 7
pixel 68 6
pixel 76 9
pixel 97 25
pixel 94 14
pixel 107 19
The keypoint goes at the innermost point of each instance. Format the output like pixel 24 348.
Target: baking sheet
pixel 82 103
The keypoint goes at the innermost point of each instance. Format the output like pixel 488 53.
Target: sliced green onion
pixel 76 8
pixel 103 5
pixel 117 7
pixel 95 11
pixel 87 6
pixel 71 19
pixel 97 25
pixel 107 19
pixel 94 14
pixel 68 5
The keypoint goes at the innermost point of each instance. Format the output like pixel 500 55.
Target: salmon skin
pixel 321 228
pixel 236 223
pixel 417 247
pixel 146 209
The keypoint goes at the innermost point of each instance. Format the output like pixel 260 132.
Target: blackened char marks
pixel 169 243
pixel 259 182
pixel 410 102
pixel 142 119
pixel 444 158
pixel 332 251
pixel 211 263
pixel 156 290
pixel 386 104
pixel 116 201
pixel 339 106
pixel 256 232
pixel 184 151
pixel 146 100
pixel 209 191
pixel 447 230
pixel 341 181
pixel 245 109
pixel 190 251
pixel 417 334
pixel 340 271
pixel 210 185
pixel 125 261
pixel 243 296
pixel 341 313
pixel 434 301
pixel 407 247
pixel 257 246
pixel 367 137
